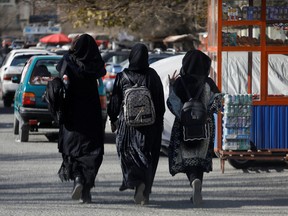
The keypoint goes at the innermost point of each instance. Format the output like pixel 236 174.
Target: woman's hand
pixel 173 78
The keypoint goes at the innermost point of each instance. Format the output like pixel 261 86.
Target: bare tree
pixel 156 18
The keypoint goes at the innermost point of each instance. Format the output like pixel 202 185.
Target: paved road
pixel 29 185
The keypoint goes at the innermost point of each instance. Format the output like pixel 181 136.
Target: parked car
pixel 102 41
pixel 113 60
pixel 164 67
pixel 115 56
pixel 30 109
pixel 108 79
pixel 12 66
pixel 17 44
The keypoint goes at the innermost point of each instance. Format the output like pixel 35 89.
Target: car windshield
pixel 115 57
pixel 18 44
pixel 44 71
pixel 20 60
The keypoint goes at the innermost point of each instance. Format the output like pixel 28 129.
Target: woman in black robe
pixel 81 133
pixel 192 157
pixel 138 147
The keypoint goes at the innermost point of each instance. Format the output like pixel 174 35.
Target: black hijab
pixel 194 72
pixel 85 54
pixel 138 58
pixel 195 63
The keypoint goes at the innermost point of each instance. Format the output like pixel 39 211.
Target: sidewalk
pixel 29 186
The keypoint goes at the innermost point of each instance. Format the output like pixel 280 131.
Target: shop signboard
pixel 41 30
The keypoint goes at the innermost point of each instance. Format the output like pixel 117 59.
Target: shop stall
pixel 248 43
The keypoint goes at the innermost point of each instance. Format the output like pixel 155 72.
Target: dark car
pixel 30 109
pixel 113 60
pixel 115 56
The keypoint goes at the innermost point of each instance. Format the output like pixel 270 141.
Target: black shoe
pixel 86 196
pixel 196 198
pixel 77 189
pixel 139 197
pixel 124 187
pixel 146 200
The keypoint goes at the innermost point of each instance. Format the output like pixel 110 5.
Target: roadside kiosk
pixel 248 45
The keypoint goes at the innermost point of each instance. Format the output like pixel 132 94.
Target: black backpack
pixel 55 96
pixel 194 117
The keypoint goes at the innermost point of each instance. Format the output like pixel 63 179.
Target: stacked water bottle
pixel 237 122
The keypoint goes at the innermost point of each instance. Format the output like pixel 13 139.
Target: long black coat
pixel 138 148
pixel 82 132
pixel 81 136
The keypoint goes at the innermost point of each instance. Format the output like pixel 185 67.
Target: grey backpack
pixel 138 105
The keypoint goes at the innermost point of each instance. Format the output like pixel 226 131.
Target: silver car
pixel 12 67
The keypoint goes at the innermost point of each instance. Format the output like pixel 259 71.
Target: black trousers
pixel 195 173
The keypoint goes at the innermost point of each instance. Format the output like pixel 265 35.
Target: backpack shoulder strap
pixel 184 85
pixel 63 68
pixel 127 78
pixel 131 82
pixel 198 92
pixel 143 82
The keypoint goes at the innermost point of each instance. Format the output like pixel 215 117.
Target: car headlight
pixel 109 85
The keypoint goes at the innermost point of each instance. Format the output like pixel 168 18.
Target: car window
pixel 20 60
pixel 6 58
pixel 152 60
pixel 24 71
pixel 18 44
pixel 44 71
pixel 117 59
pixel 102 37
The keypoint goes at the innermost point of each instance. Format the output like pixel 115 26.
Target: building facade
pixel 28 19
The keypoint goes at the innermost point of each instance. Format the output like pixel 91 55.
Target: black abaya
pixel 81 136
pixel 138 148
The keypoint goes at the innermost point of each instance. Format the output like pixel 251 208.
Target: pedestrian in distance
pixel 194 156
pixel 5 49
pixel 138 147
pixel 81 140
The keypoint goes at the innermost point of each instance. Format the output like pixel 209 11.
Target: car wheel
pixel 240 164
pixel 23 132
pixel 16 126
pixel 7 102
